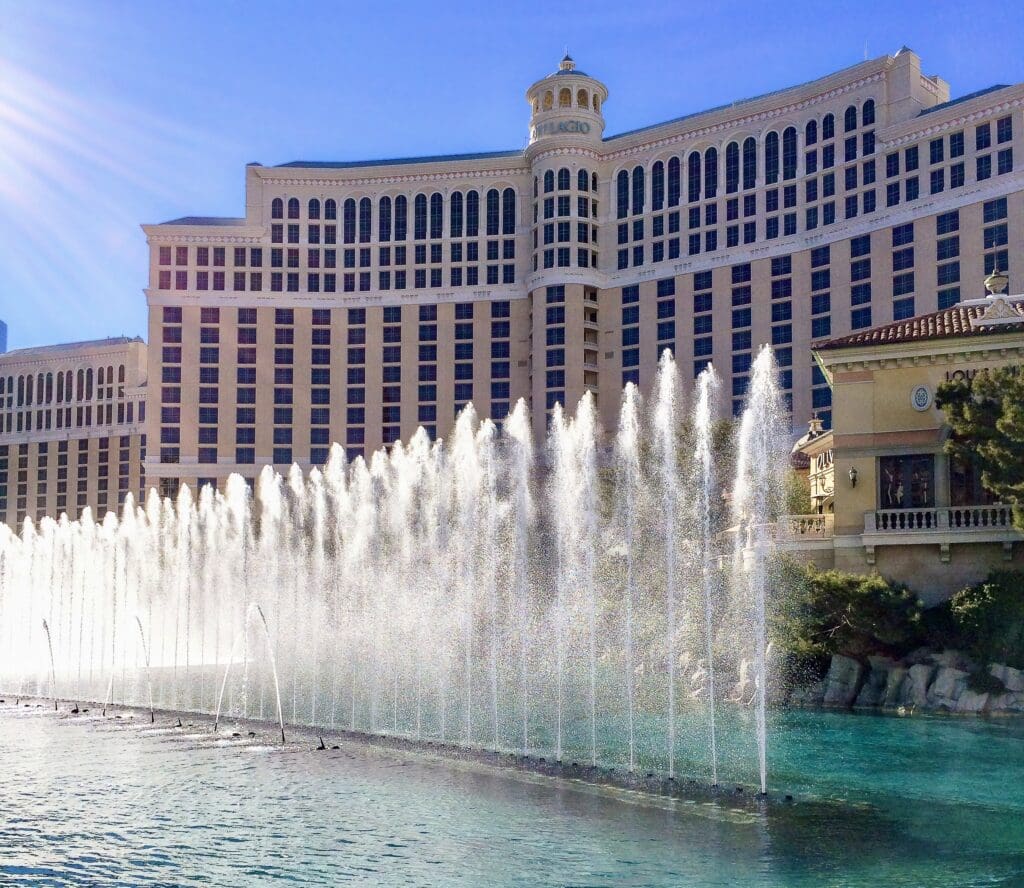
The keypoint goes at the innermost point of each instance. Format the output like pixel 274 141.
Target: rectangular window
pixel 821 327
pixel 903 309
pixel 860 317
pixel 906 482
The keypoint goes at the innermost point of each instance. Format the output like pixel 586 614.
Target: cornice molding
pixel 746 120
pixel 961 120
pixel 230 299
pixel 953 351
pixel 322 181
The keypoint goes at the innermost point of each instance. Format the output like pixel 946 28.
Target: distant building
pixel 888 498
pixel 71 428
pixel 3 337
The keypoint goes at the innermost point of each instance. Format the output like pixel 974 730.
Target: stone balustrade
pixel 806 527
pixel 946 518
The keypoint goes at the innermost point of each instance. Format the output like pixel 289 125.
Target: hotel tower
pixel 357 300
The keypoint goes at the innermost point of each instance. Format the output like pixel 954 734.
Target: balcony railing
pixel 806 527
pixel 952 518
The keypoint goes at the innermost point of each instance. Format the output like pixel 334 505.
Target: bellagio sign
pixel 562 126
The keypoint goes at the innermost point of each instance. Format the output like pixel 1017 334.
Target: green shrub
pixel 989 619
pixel 830 612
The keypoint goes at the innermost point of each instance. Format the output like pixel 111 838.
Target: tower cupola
pixel 566 107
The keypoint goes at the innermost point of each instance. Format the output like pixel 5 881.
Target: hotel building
pixel 72 431
pixel 357 300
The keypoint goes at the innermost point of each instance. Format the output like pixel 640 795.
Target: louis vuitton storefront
pixel 889 498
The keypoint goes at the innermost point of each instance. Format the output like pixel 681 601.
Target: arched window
pixel 80 391
pixel 277 208
pixel 330 209
pixel 597 104
pixel 582 181
pixel 508 211
pixel 49 388
pixel 419 217
pixel 60 388
pixel 314 208
pixel 789 153
pixel 472 214
pixel 693 176
pixel 401 217
pixel 536 105
pixel 293 208
pixel 850 118
pixel 622 194
pixel 88 384
pixel 349 221
pixel 384 219
pixel 732 168
pixel 455 215
pixel 29 385
pixel 365 220
pixel 811 133
pixel 749 162
pixel 563 179
pixel 771 158
pixel 867 114
pixel 638 190
pixel 711 172
pixel 536 186
pixel 120 373
pixel 548 100
pixel 658 186
pixel 582 99
pixel 549 181
pixel 828 127
pixel 564 97
pixel 100 377
pixel 436 214
pixel 593 182
pixel 673 181
pixel 493 212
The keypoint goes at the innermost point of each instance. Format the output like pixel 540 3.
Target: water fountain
pixel 574 606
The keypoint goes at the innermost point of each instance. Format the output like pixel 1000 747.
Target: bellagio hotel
pixel 357 300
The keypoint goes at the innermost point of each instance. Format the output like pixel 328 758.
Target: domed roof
pixel 568 66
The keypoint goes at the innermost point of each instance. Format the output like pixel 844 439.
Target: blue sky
pixel 114 114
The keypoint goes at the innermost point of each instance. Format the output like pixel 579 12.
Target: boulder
pixel 914 690
pixel 808 695
pixel 971 701
pixel 946 688
pixel 843 682
pixel 894 681
pixel 1012 679
pixel 952 659
pixel 872 693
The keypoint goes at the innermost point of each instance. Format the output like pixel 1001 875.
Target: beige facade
pixel 72 434
pixel 889 497
pixel 356 301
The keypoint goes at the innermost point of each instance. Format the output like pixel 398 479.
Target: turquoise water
pixel 881 801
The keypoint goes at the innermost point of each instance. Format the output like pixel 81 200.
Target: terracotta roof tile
pixel 950 322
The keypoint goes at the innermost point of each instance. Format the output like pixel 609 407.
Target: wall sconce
pixel 853 476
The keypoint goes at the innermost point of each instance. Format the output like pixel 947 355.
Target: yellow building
pixel 887 496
